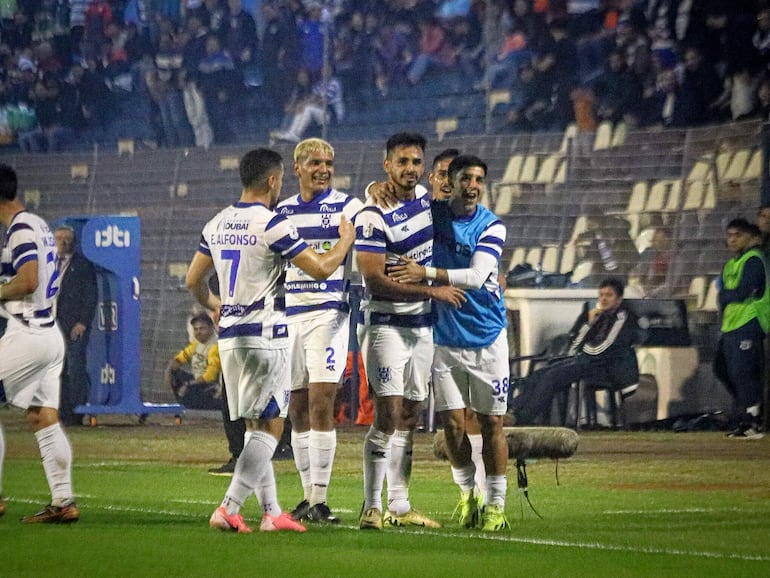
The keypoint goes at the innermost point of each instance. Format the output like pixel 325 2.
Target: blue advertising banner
pixel 113 245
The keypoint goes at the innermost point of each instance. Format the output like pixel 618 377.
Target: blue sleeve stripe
pixel 291 253
pixel 489 240
pixel 377 236
pixel 489 251
pixel 19 227
pixel 28 257
pixel 23 248
pixel 204 250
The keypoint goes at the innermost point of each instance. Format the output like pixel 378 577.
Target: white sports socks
pixel 376 459
pixel 477 444
pixel 56 453
pixel 399 472
pixel 251 468
pixel 496 489
pixel 463 477
pixel 300 445
pixel 323 445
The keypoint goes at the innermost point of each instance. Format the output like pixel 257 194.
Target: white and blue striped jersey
pixel 317 222
pixel 405 230
pixel 481 318
pixel 29 239
pixel 249 245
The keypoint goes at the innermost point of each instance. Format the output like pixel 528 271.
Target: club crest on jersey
pixel 326 221
pixel 367 230
pixel 384 374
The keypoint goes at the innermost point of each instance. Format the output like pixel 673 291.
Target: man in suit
pixel 75 309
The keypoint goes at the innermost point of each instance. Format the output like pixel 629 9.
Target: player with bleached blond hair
pixel 319 325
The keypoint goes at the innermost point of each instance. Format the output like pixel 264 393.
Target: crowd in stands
pixel 673 63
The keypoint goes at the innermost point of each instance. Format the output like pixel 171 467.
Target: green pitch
pixel 627 504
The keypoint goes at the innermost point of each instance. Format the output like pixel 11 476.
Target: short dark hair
pixel 256 165
pixel 202 318
pixel 9 183
pixel 444 155
pixel 615 283
pixel 405 139
pixel 464 161
pixel 744 226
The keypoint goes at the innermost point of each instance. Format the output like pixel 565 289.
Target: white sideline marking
pixel 474 536
pixel 607 547
pixel 677 511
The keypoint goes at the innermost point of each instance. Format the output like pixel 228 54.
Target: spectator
pixel 56 118
pixel 195 107
pixel 506 62
pixel 75 309
pixel 393 49
pixel 219 83
pixel 241 41
pixel 311 39
pixel 601 348
pixel 551 109
pixel 435 49
pixel 280 53
pixel 618 91
pixel 700 88
pixel 354 60
pixel 652 271
pixel 198 386
pixel 323 105
pixel 662 107
pixel 607 244
pixel 165 86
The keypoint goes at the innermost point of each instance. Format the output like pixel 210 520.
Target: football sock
pixel 267 493
pixel 463 477
pixel 249 469
pixel 322 448
pixel 376 458
pixel 399 472
pixel 56 453
pixel 300 444
pixel 477 444
pixel 496 488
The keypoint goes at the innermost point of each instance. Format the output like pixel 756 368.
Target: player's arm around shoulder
pixel 321 266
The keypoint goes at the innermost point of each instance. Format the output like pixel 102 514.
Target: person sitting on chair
pixel 601 348
pixel 198 388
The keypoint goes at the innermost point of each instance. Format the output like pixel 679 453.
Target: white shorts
pixel 257 382
pixel 31 362
pixel 319 349
pixel 397 360
pixel 474 378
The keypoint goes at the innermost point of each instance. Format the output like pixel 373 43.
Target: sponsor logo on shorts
pixel 384 374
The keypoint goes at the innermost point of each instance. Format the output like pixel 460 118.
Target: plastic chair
pixel 603 139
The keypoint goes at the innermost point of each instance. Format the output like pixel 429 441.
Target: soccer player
pixel 395 335
pixel 470 366
pixel 441 190
pixel 319 325
pixel 248 244
pixel 31 345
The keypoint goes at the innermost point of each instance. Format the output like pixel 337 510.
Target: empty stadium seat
pixel 619 135
pixel 603 138
pixel 754 166
pixel 737 166
pixel 569 135
pixel 710 300
pixel 697 291
pixel 444 126
pixel 567 262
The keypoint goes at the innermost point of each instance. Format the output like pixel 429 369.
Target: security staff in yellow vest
pixel 744 302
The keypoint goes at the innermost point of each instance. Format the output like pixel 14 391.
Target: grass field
pixel 627 504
